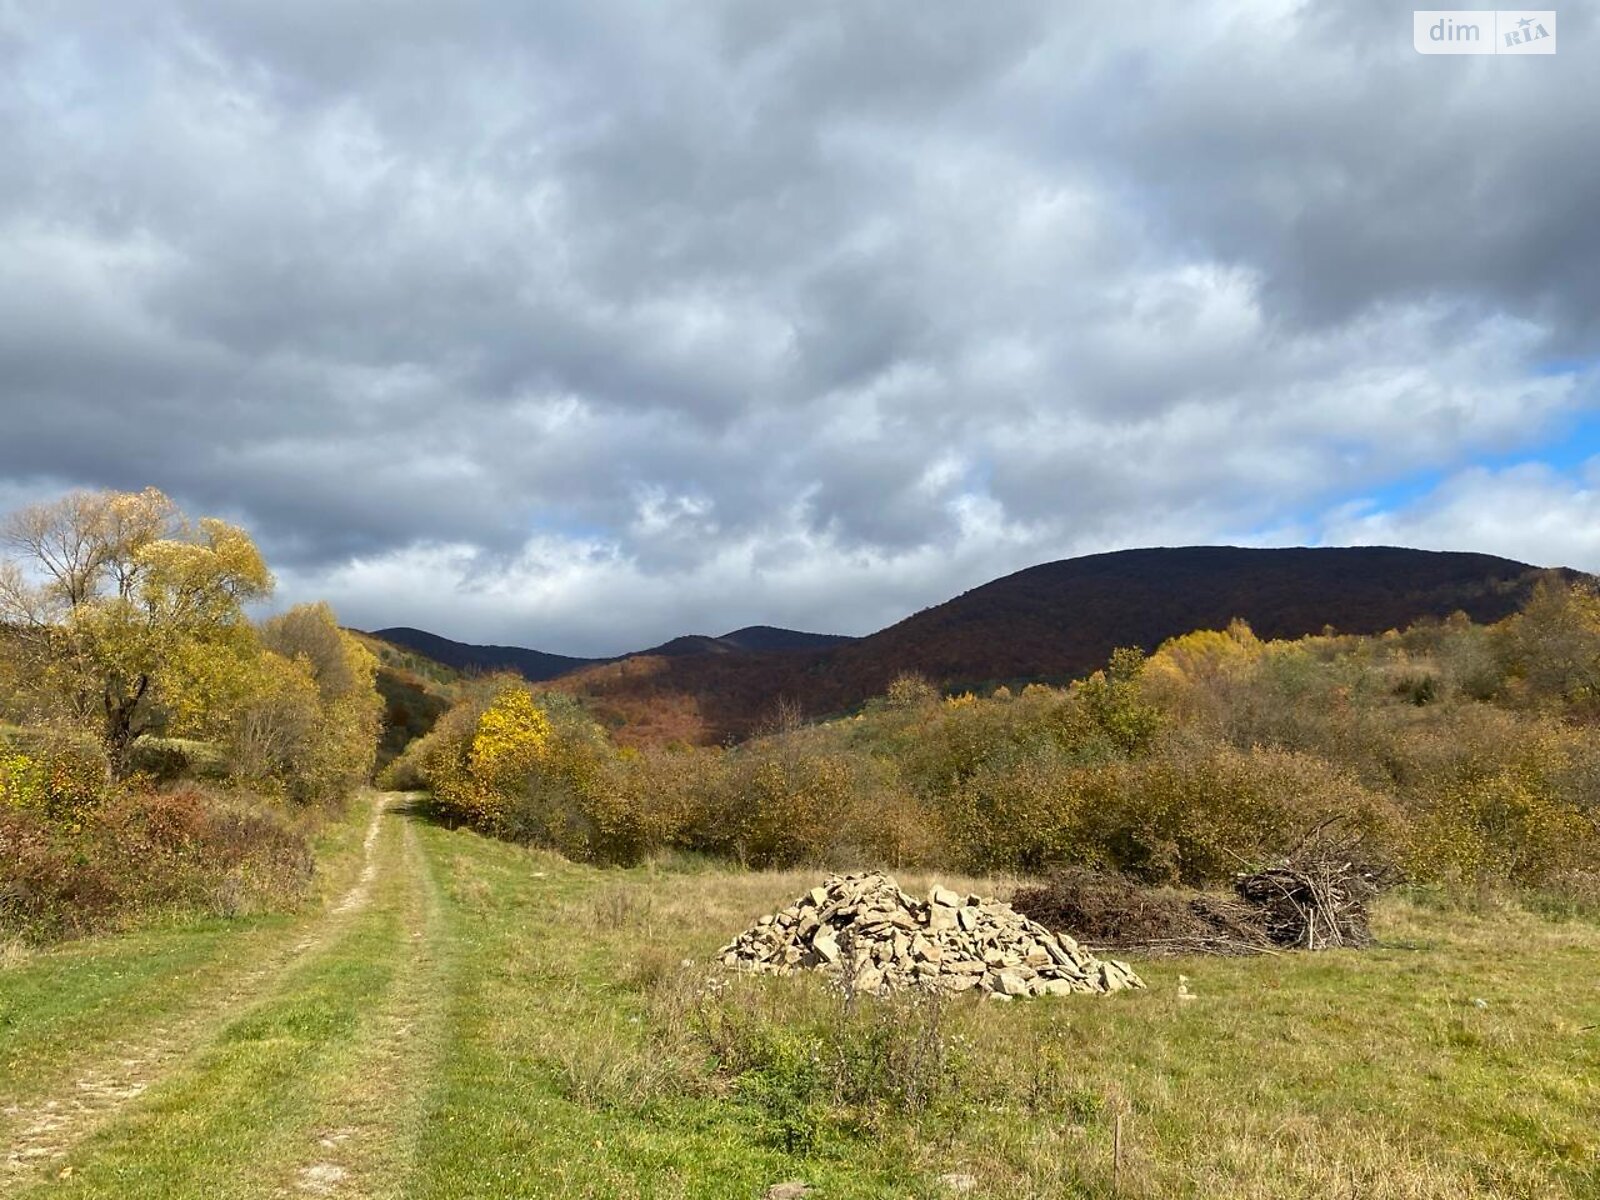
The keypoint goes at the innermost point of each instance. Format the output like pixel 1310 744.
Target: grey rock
pixel 826 946
pixel 1012 984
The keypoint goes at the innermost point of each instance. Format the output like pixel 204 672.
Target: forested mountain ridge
pixel 1048 622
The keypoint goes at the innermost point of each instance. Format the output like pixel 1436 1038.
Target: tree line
pixel 130 666
pixel 1462 755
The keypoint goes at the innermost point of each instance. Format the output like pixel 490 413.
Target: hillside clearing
pixel 483 1020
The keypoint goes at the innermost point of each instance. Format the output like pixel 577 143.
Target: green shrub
pixel 1018 814
pixel 407 771
pixel 815 1063
pixel 779 803
pixel 1188 814
pixel 802 799
pixel 1511 818
pixel 1417 689
pixel 158 760
pixel 642 802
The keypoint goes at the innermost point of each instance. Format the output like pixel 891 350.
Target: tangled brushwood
pixel 1312 905
pixel 880 940
pixel 1315 898
pixel 1108 909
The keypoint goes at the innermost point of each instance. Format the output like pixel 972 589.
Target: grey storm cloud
pixel 578 324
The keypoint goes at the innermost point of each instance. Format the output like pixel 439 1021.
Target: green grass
pixel 52 1004
pixel 92 993
pixel 495 1022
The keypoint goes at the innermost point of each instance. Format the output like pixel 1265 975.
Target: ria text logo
pixel 1474 31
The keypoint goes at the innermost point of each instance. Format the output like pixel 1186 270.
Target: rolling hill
pixel 757 639
pixel 537 665
pixel 1064 618
pixel 1053 622
pixel 1050 622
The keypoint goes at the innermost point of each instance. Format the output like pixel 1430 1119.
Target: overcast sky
pixel 580 325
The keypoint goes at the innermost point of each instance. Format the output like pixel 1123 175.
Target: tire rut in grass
pixel 367 1126
pixel 41 1132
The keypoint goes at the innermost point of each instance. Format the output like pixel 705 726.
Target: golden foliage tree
pixel 349 709
pixel 1552 646
pixel 104 596
pixel 486 753
pixel 512 739
pixel 300 712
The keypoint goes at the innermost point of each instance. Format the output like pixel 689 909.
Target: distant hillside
pixel 758 639
pixel 416 691
pixel 1064 618
pixel 1053 622
pixel 762 638
pixel 535 665
pixel 539 666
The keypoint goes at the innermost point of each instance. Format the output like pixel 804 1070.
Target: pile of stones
pixel 879 939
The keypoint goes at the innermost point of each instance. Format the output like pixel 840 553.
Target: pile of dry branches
pixel 1317 897
pixel 1110 910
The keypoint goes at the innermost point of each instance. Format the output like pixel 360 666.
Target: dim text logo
pixel 1475 31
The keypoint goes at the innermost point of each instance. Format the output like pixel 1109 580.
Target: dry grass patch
pixel 1448 1061
pixel 13 953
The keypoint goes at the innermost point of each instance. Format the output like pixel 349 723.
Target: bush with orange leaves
pixel 140 853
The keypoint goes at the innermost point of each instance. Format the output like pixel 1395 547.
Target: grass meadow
pixel 461 1017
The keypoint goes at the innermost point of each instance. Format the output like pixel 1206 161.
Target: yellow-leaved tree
pixel 1552 647
pixel 106 595
pixel 1199 678
pixel 349 712
pixel 511 741
pixel 531 768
